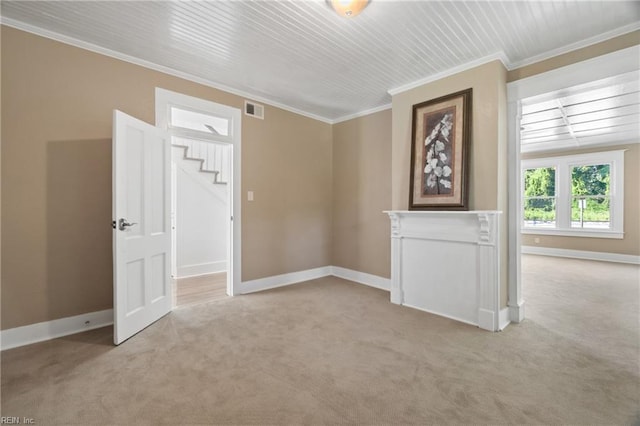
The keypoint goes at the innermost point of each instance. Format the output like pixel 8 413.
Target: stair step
pixel 185 156
pixel 194 159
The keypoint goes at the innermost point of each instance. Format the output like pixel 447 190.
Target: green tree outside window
pixel 590 196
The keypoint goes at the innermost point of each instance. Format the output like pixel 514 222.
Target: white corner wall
pixel 201 223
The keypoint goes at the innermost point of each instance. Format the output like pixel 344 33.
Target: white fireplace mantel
pixel 447 263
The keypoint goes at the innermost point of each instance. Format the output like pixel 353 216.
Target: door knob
pixel 122 224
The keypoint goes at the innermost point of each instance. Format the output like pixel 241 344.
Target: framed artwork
pixel 440 143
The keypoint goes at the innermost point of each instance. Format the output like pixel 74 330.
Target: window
pixel 540 197
pixel 577 195
pixel 590 200
pixel 203 122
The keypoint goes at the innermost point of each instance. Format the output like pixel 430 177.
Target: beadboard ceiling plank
pixel 302 55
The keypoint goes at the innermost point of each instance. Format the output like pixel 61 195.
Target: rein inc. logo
pixel 8 420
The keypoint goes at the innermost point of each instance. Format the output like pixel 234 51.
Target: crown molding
pixel 361 113
pixel 511 65
pixel 575 46
pixel 13 23
pixel 501 56
pixel 589 71
pixel 497 56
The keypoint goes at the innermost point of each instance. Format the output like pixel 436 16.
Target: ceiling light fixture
pixel 348 8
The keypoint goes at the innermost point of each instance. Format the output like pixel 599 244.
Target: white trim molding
pixel 370 280
pixel 71 41
pixel 34 333
pixel 585 72
pixel 581 254
pixel 165 99
pixel 361 113
pixel 276 281
pixel 39 332
pixel 196 270
pixel 575 46
pixel 504 318
pixel 498 56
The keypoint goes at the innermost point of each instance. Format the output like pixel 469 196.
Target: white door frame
pixel 166 99
pixel 609 65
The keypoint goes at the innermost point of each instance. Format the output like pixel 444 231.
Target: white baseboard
pixel 362 278
pixel 440 314
pixel 202 269
pixel 581 254
pixel 284 279
pixel 516 313
pixel 503 319
pixel 39 332
pixel 33 333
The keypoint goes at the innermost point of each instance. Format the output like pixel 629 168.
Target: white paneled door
pixel 142 225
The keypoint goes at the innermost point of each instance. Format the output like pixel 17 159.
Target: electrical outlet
pixel 250 196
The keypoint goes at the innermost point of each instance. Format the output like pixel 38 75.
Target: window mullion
pixel 616 190
pixel 563 200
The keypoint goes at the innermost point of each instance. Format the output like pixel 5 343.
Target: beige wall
pixel 488 154
pixel 489 105
pixel 579 55
pixel 361 191
pixel 630 244
pixel 57 104
pixel 56 172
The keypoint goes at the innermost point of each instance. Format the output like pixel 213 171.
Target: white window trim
pixel 197 134
pixel 166 99
pixel 563 165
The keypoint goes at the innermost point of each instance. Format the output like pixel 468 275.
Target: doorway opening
pixel 567 134
pixel 205 154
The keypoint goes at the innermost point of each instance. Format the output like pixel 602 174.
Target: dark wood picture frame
pixel 440 143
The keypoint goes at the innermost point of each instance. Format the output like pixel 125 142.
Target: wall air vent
pixel 254 110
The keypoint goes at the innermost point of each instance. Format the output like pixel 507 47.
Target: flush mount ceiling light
pixel 348 8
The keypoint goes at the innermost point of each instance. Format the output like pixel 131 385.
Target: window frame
pixel 563 165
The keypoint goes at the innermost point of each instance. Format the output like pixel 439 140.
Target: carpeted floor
pixel 333 352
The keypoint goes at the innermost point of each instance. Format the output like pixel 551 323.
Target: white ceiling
pixel 301 56
pixel 602 112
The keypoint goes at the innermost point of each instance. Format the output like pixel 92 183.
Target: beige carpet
pixel 334 352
